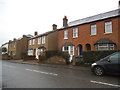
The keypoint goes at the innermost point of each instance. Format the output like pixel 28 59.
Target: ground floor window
pixel 30 52
pixel 69 49
pixel 105 47
pixel 14 53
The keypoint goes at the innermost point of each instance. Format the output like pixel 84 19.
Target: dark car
pixel 107 65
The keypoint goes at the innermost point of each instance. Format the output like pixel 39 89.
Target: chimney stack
pixel 54 27
pixel 14 39
pixel 35 33
pixel 65 21
pixel 9 41
pixel 24 36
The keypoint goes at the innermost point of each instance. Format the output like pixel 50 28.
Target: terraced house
pixel 18 47
pixel 43 42
pixel 98 32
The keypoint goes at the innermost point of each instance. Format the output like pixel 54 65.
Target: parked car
pixel 107 65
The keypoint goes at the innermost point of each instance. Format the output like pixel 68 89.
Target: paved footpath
pixel 54 65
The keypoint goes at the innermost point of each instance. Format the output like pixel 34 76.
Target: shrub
pixel 92 56
pixel 65 55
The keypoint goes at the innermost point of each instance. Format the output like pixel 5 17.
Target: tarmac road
pixel 15 75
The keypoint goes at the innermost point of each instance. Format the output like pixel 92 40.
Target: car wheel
pixel 99 71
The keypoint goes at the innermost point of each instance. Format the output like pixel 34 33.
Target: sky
pixel 18 17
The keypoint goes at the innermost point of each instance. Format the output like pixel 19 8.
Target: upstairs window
pixel 75 32
pixel 93 29
pixel 43 40
pixel 14 45
pixel 39 40
pixel 33 41
pixel 66 34
pixel 108 27
pixel 30 42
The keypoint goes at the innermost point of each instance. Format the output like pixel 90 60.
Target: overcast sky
pixel 18 17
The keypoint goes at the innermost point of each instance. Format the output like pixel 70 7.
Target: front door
pixel 36 53
pixel 80 50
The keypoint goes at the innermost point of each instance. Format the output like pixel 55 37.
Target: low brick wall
pixel 29 58
pixel 5 57
pixel 55 60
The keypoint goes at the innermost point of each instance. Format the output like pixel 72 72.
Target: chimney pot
pixel 35 33
pixel 14 39
pixel 24 36
pixel 54 27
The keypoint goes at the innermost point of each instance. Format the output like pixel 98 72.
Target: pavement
pixel 33 62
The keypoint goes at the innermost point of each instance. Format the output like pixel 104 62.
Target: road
pixel 16 75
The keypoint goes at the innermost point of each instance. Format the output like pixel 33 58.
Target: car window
pixel 115 57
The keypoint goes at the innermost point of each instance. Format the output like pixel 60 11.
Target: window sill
pixel 65 38
pixel 93 35
pixel 108 33
pixel 75 37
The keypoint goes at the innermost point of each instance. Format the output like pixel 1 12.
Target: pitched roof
pixel 68 44
pixel 104 41
pixel 44 34
pixel 29 36
pixel 102 16
pixel 4 44
pixel 95 17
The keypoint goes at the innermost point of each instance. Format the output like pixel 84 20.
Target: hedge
pixel 49 54
pixel 92 56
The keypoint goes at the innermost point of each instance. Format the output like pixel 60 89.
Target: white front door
pixel 71 52
pixel 36 54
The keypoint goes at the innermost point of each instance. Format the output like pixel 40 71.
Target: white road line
pixel 113 85
pixel 54 74
pixel 29 69
pixel 8 66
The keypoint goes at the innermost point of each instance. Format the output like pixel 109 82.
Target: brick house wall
pixel 17 47
pixel 36 45
pixel 84 36
pixel 50 42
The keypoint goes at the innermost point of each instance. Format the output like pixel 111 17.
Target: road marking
pixel 54 74
pixel 5 65
pixel 113 85
pixel 29 69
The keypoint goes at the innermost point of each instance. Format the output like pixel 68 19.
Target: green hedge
pixel 92 56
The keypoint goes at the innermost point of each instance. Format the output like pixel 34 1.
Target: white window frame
pixel 103 46
pixel 93 30
pixel 75 32
pixel 112 47
pixel 66 34
pixel 14 45
pixel 30 52
pixel 33 41
pixel 30 42
pixel 43 40
pixel 70 49
pixel 107 46
pixel 64 50
pixel 39 40
pixel 108 27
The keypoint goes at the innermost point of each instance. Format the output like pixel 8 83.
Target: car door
pixel 114 63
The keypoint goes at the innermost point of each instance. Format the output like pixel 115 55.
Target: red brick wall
pixel 84 36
